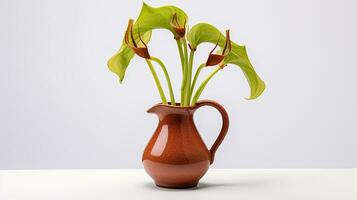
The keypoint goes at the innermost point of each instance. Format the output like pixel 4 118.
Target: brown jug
pixel 176 156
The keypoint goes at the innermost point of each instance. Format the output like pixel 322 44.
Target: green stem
pixel 182 58
pixel 172 97
pixel 179 46
pixel 203 85
pixel 186 72
pixel 198 71
pixel 189 78
pixel 157 81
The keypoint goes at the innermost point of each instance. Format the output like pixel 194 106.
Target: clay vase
pixel 176 156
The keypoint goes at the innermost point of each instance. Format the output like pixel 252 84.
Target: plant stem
pixel 189 78
pixel 203 85
pixel 182 58
pixel 172 97
pixel 184 82
pixel 157 81
pixel 179 46
pixel 198 71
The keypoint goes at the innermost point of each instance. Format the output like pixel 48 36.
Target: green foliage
pixel 174 19
pixel 204 32
pixel 121 59
pixel 150 18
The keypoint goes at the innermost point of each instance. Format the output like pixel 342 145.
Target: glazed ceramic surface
pixel 176 156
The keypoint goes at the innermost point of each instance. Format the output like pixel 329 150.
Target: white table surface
pixel 218 184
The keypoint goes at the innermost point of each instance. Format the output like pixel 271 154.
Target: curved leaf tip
pixel 239 57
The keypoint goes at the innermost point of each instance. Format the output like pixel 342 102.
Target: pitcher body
pixel 176 156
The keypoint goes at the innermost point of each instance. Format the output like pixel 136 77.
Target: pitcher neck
pixel 163 110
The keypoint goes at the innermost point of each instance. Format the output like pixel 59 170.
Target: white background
pixel 60 107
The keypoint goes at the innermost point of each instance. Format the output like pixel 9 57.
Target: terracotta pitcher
pixel 176 156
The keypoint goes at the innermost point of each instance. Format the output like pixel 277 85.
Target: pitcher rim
pixel 174 106
pixel 168 105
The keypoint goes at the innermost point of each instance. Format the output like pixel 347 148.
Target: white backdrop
pixel 60 107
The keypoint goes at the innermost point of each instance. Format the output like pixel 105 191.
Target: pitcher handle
pixel 225 125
